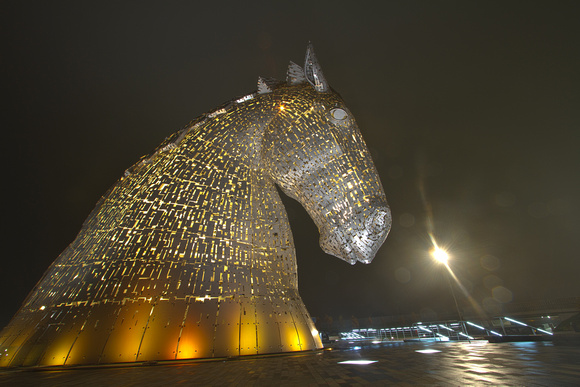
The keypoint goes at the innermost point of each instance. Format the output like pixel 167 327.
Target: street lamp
pixel 442 257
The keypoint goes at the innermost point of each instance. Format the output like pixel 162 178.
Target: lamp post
pixel 442 257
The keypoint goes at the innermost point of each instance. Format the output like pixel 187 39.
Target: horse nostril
pixel 379 221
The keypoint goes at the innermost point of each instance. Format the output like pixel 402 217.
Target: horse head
pixel 314 151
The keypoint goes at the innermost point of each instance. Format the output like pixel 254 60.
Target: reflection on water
pixel 480 362
pixel 474 359
pixel 431 363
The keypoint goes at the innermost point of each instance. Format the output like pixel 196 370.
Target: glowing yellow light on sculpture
pixel 439 254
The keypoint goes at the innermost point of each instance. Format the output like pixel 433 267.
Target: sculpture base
pixel 143 331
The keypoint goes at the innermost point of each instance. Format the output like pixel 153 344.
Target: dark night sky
pixel 478 102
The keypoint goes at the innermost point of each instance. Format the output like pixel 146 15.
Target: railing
pixel 449 331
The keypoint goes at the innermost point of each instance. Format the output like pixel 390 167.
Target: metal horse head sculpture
pixel 190 253
pixel 316 154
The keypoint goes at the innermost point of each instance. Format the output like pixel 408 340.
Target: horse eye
pixel 338 114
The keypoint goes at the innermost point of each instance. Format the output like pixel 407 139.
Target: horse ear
pixel 313 72
pixel 263 87
pixel 295 74
pixel 266 85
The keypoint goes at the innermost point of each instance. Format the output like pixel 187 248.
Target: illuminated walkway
pixel 398 364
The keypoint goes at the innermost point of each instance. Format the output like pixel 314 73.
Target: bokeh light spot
pixel 490 262
pixel 491 281
pixel 491 306
pixel 502 294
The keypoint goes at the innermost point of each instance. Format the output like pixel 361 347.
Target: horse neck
pixel 229 145
pixel 251 201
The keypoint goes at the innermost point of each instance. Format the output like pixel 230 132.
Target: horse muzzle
pixel 358 239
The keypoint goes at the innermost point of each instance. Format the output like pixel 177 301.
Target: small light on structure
pixel 444 327
pixel 516 321
pixel 475 325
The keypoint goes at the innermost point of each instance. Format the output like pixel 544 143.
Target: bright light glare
pixel 439 254
pixel 363 362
